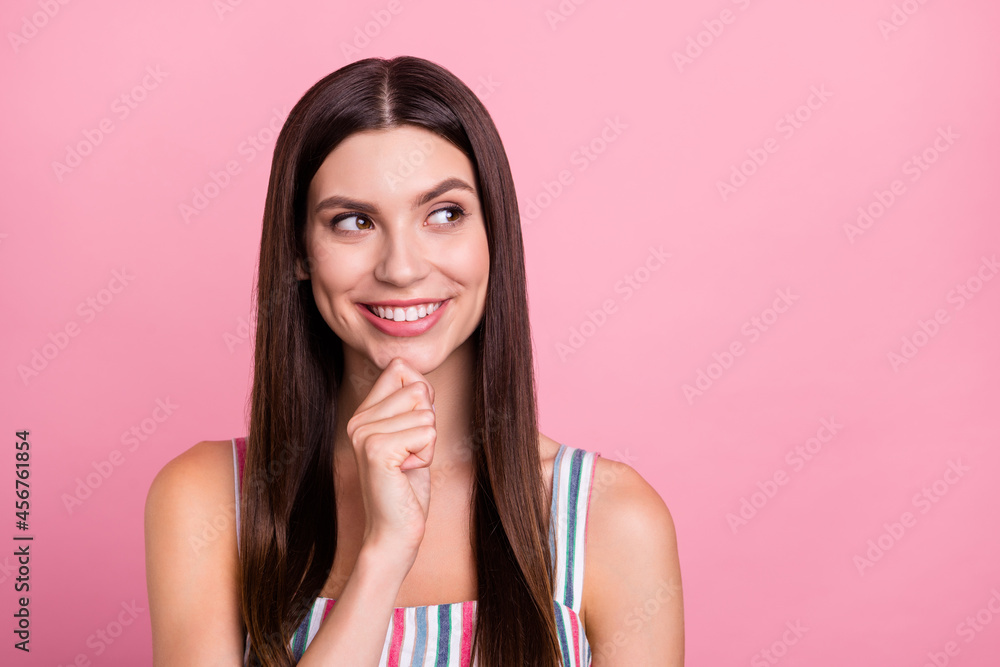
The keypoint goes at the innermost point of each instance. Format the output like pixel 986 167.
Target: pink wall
pixel 713 159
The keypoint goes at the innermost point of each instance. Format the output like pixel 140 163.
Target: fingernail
pixel 432 407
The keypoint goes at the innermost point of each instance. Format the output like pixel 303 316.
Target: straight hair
pixel 288 536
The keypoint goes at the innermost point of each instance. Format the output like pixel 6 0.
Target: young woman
pixel 393 502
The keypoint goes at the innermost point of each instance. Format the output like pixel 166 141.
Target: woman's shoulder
pixel 621 498
pixel 193 490
pixel 628 522
pixel 197 469
pixel 192 561
pixel 621 504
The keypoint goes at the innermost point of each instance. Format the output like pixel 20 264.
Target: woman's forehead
pixel 394 163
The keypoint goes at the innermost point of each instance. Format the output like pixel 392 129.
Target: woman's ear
pixel 301 270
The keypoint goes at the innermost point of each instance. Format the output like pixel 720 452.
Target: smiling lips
pixel 403 313
pixel 404 318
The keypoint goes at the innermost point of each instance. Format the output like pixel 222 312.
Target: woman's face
pixel 394 225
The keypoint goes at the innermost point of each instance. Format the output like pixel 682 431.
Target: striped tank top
pixel 440 635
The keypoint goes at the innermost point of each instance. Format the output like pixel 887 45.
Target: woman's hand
pixel 393 433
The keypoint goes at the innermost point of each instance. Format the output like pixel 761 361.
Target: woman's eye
pixel 353 222
pixel 447 216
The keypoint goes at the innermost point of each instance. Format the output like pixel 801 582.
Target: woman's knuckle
pixel 361 435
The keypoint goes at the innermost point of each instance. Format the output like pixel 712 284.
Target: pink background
pixel 672 131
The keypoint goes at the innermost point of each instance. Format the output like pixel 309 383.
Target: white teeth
pixel 410 314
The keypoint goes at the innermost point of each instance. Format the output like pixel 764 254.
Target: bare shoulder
pixel 190 513
pixel 548 448
pixel 632 602
pixel 193 484
pixel 191 558
pixel 197 469
pixel 625 507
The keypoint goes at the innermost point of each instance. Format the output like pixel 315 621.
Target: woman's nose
pixel 402 259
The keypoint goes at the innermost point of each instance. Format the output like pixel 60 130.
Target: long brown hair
pixel 288 533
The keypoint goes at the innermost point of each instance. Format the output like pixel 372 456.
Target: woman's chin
pixel 422 361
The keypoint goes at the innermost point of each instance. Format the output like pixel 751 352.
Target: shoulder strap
pixel 572 483
pixel 239 461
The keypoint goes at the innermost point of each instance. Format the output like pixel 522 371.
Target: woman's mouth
pixel 404 314
pixel 411 319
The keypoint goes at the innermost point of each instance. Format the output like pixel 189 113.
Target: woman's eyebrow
pixel 441 188
pixel 340 201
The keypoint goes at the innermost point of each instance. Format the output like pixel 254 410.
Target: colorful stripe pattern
pixel 441 635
